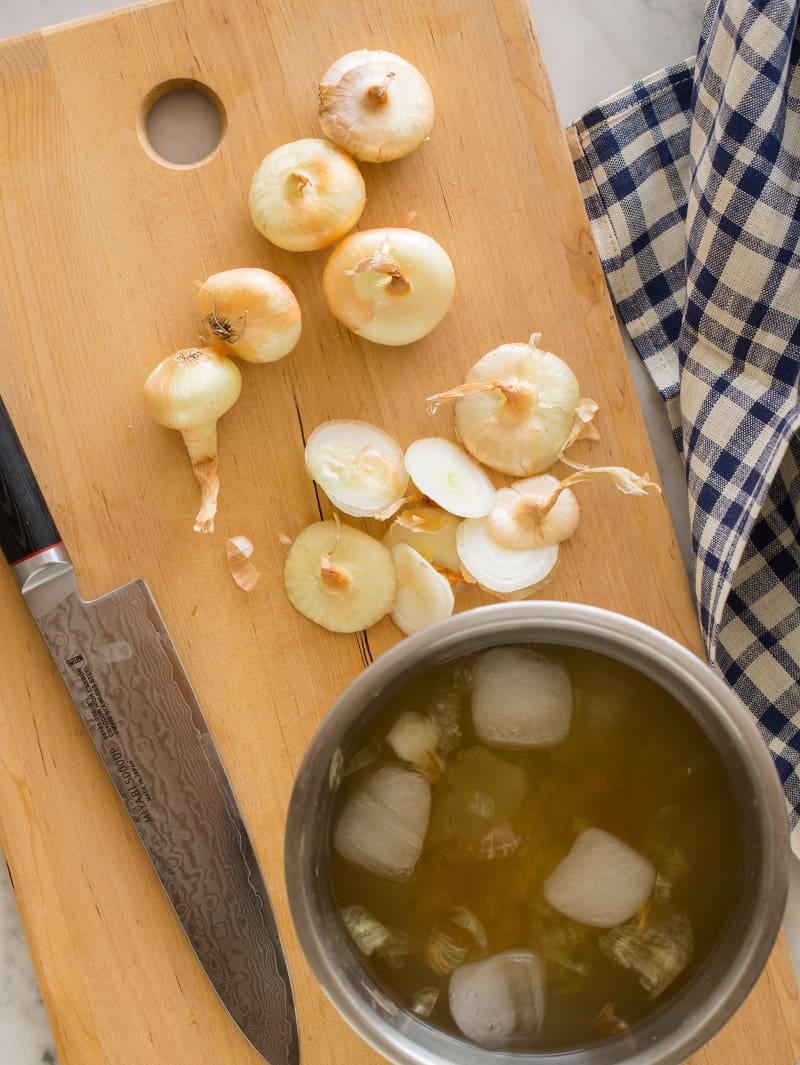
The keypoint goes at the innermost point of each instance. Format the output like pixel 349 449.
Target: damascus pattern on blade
pixel 123 672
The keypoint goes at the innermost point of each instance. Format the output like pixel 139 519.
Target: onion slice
pixel 339 577
pixel 238 550
pixel 445 473
pixel 431 531
pixel 423 595
pixel 359 467
pixel 501 569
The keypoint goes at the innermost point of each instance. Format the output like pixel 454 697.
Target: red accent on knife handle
pixel 26 524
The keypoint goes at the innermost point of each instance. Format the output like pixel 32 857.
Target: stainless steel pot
pixel 716 990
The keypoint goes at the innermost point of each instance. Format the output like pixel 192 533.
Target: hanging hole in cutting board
pixel 181 123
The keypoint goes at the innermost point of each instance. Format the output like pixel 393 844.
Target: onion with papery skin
pixel 357 465
pixel 390 286
pixel 250 313
pixel 518 409
pixel 375 105
pixel 534 513
pixel 306 194
pixel 339 577
pixel 189 391
pixel 445 473
pixel 543 510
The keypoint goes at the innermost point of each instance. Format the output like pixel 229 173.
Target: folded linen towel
pixel 691 179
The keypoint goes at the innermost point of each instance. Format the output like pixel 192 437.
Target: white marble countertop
pixel 591 49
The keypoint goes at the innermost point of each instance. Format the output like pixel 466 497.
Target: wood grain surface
pixel 100 249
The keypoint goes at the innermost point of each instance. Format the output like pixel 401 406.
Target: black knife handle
pixel 26 525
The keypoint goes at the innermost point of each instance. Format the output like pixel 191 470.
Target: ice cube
pixel 601 882
pixel 500 1000
pixel 383 824
pixel 520 698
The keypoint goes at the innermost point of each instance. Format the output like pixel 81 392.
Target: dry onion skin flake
pixel 518 408
pixel 339 577
pixel 423 595
pixel 359 467
pixel 391 286
pixel 189 391
pixel 446 474
pixel 375 105
pixel 306 194
pixel 238 550
pixel 250 313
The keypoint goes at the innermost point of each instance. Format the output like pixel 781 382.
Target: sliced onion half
pixel 431 531
pixel 359 467
pixel 423 595
pixel 445 473
pixel 499 569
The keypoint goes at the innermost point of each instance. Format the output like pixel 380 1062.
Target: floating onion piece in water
pixel 189 391
pixel 375 105
pixel 499 842
pixel 413 737
pixel 250 313
pixel 306 194
pixel 658 955
pixel 359 467
pixel 445 473
pixel 369 934
pixel 391 286
pixel 238 550
pixel 455 939
pixel 608 1023
pixel 339 577
pixel 424 1001
pixel 498 569
pixel 518 409
pixel 431 531
pixel 423 596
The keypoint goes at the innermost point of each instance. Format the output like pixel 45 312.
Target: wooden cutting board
pixel 100 249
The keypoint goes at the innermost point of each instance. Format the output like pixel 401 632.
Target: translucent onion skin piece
pixel 339 577
pixel 444 472
pixel 375 105
pixel 400 301
pixel 359 467
pixel 306 194
pixel 423 595
pixel 499 569
pixel 518 436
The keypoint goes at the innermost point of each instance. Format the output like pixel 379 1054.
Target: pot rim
pixel 649 651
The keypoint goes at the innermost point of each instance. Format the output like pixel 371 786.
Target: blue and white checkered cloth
pixel 691 179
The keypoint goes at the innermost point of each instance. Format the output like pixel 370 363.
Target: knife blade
pixel 126 679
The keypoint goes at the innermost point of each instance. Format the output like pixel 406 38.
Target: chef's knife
pixel 127 682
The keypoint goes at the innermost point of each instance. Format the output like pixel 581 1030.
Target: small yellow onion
pixel 519 408
pixel 391 286
pixel 250 313
pixel 306 194
pixel 189 391
pixel 534 513
pixel 375 105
